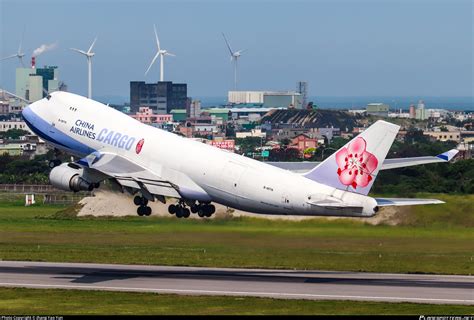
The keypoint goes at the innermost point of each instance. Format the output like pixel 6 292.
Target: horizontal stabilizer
pixel 414 161
pixel 305 166
pixel 385 202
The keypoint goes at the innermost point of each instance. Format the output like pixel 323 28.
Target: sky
pixel 342 48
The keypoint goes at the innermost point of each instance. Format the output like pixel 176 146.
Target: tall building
pixel 33 83
pixel 35 92
pixel 160 97
pixel 412 111
pixel 50 76
pixel 302 87
pixel 420 111
pixel 22 82
pixel 194 109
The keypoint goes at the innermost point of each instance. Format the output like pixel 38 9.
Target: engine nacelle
pixel 67 178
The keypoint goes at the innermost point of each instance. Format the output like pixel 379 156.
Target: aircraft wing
pixel 385 202
pixel 407 162
pixel 157 181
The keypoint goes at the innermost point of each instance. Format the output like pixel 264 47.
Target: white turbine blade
pixel 9 57
pixel 152 62
pixel 170 54
pixel 157 39
pixel 228 45
pixel 80 51
pixel 241 51
pixel 21 41
pixel 92 45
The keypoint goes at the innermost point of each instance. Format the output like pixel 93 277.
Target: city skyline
pixel 368 48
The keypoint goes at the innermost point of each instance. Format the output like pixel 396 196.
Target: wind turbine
pixel 234 56
pixel 89 54
pixel 162 53
pixel 19 54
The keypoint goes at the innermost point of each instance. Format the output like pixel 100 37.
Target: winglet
pixel 448 155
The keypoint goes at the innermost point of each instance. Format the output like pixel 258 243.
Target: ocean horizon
pixel 395 103
pixel 330 102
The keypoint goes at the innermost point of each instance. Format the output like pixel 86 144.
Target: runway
pixel 281 284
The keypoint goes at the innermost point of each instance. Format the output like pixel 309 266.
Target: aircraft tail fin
pixel 355 166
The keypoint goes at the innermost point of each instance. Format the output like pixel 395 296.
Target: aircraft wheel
pixel 201 213
pixel 179 212
pixel 137 200
pixel 172 209
pixel 194 208
pixel 147 211
pixel 140 211
pixel 186 213
pixel 212 209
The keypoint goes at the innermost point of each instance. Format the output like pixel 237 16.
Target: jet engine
pixel 69 177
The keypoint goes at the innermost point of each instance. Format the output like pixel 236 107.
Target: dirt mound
pixel 109 203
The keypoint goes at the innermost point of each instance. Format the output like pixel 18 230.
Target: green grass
pixel 54 301
pixel 432 239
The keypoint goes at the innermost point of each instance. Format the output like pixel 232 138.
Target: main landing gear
pixel 202 209
pixel 141 202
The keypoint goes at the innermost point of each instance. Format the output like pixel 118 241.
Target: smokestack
pixel 33 62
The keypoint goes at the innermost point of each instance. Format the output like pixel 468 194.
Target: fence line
pixel 44 193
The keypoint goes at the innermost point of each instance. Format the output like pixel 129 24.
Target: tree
pixel 14 133
pixel 248 145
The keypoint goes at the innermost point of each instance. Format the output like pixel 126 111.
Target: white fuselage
pixel 81 126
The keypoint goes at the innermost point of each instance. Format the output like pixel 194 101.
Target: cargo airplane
pixel 155 165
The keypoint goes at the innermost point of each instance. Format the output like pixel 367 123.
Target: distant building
pixel 202 126
pixel 181 115
pixel 420 112
pixel 444 135
pixel 161 97
pixel 11 149
pixel 9 125
pixel 35 91
pixel 146 115
pixel 22 82
pixel 329 133
pixel 50 75
pixel 412 111
pixel 11 103
pixel 302 88
pixel 32 84
pixel 253 133
pixel 303 142
pixel 194 109
pixel 399 114
pixel 289 99
pixel 267 99
pixel 377 109
pixel 436 114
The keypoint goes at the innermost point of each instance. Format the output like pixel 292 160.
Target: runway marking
pixel 243 293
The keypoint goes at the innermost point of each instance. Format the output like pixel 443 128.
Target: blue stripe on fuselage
pixel 53 135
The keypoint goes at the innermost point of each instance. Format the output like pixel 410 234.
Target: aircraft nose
pixel 26 113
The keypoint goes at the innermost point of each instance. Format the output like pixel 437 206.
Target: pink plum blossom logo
pixel 139 146
pixel 355 164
